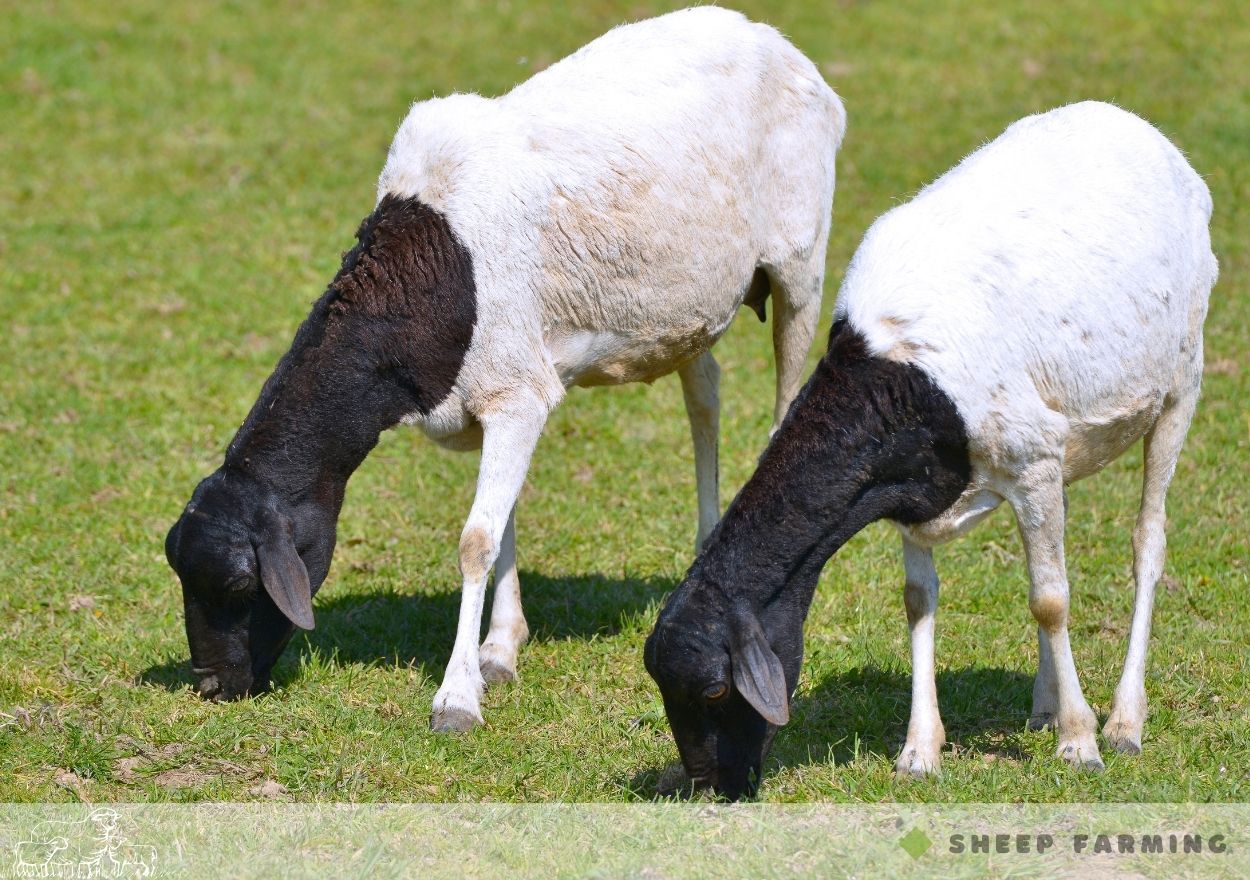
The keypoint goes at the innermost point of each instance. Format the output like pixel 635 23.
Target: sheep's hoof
pixel 1125 746
pixel 914 773
pixel 1122 739
pixel 1082 757
pixel 1041 721
pixel 495 672
pixel 915 765
pixel 452 720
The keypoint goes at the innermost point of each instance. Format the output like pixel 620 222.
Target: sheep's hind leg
pixel 1039 514
pixel 508 441
pixel 921 753
pixel 508 630
pixel 700 385
pixel 1162 448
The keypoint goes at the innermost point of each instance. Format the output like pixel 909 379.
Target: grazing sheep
pixel 599 224
pixel 1015 327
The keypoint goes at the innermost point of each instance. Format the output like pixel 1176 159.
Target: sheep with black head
pixel 601 223
pixel 1014 328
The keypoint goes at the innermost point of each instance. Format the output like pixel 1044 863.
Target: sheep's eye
pixel 716 692
pixel 240 585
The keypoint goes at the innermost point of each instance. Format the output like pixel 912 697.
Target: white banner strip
pixel 652 840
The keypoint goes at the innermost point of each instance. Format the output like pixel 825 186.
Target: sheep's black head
pixel 726 691
pixel 249 565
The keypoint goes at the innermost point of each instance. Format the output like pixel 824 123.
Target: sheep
pixel 1013 328
pixel 599 224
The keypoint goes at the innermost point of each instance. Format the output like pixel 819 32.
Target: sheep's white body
pixel 617 207
pixel 618 203
pixel 1054 284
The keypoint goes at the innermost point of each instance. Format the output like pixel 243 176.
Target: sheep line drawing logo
pixel 84 849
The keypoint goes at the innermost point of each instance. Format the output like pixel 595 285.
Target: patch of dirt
pixel 18 717
pixel 27 719
pixel 124 769
pixel 1110 627
pixel 836 69
pixel 144 766
pixel 269 789
pixel 995 757
pixel 254 343
pixel 1222 367
pixel 78 603
pixel 180 777
pixel 31 83
pixel 171 305
pixel 107 493
pixel 70 780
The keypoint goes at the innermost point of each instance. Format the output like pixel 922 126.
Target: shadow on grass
pixel 865 711
pixel 420 629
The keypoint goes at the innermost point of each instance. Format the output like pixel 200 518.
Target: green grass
pixel 176 185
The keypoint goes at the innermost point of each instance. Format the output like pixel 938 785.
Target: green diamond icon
pixel 915 843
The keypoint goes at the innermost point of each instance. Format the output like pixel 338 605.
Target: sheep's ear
pixel 284 576
pixel 757 670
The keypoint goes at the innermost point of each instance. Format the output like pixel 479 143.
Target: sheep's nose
pixel 210 688
pixel 703 783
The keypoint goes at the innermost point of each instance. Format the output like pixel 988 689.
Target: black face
pixel 725 692
pixel 245 580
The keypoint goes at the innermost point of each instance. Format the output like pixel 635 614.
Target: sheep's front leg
pixel 925 734
pixel 700 385
pixel 1040 516
pixel 508 442
pixel 508 629
pixel 1045 687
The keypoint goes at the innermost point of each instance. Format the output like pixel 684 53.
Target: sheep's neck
pixel 316 420
pixel 387 340
pixel 866 439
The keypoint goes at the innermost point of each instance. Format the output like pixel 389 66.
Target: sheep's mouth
pixel 712 784
pixel 748 789
pixel 732 785
pixel 210 685
pixel 689 787
pixel 216 686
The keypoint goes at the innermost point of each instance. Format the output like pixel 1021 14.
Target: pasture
pixel 177 183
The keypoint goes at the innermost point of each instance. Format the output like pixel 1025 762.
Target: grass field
pixel 177 182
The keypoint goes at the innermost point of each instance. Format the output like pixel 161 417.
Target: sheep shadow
pixel 419 629
pixel 864 711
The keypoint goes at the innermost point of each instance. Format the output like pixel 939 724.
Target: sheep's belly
pixel 1095 442
pixel 1092 442
pixel 606 357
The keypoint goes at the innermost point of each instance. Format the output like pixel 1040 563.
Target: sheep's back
pixel 1063 266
